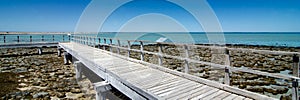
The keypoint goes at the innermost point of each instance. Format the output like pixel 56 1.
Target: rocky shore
pixel 26 75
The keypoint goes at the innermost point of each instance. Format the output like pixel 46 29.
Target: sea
pixel 285 39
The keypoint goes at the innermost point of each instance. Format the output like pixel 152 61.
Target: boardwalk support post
pixel 18 39
pixel 4 39
pixel 101 89
pixel 40 51
pixel 59 51
pixel 67 58
pixel 84 40
pixel 142 50
pixel 63 38
pixel 104 43
pixel 227 76
pixel 128 49
pixel 227 70
pixel 42 37
pixel 110 46
pixel 295 84
pixel 160 62
pixel 30 38
pixel 99 43
pixel 119 45
pixel 186 67
pixel 296 66
pixel 78 69
pixel 94 42
pixel 69 37
pixel 81 39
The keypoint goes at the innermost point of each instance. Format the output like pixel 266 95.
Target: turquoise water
pixel 268 39
pixel 246 38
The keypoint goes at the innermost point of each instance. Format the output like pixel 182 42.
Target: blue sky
pixel 233 15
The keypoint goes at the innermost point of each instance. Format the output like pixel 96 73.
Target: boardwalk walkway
pixel 139 81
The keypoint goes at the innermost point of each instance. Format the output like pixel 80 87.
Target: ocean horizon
pixel 284 39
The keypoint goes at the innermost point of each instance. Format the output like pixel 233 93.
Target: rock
pixel 20 70
pixel 60 95
pixel 43 84
pixel 251 77
pixel 54 98
pixel 22 84
pixel 21 76
pixel 280 89
pixel 40 94
pixel 75 90
pixel 286 97
pixel 70 95
pixel 5 68
pixel 255 89
pixel 59 72
pixel 36 83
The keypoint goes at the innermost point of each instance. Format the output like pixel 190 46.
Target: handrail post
pixel 18 39
pixel 142 50
pixel 119 45
pixel 110 45
pixel 53 38
pixel 30 38
pixel 295 65
pixel 104 40
pixel 128 49
pixel 227 70
pixel 42 37
pixel 4 39
pixel 295 84
pixel 85 40
pixel 63 38
pixel 160 63
pixel 91 41
pixel 94 42
pixel 186 67
pixel 81 39
pixel 99 43
pixel 69 38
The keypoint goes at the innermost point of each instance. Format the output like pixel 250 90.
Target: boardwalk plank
pixel 230 97
pixel 151 79
pixel 239 98
pixel 197 92
pixel 160 82
pixel 209 97
pixel 223 95
pixel 174 89
pixel 211 91
pixel 182 92
pixel 168 85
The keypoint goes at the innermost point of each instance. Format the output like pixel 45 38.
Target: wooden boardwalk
pixel 139 81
